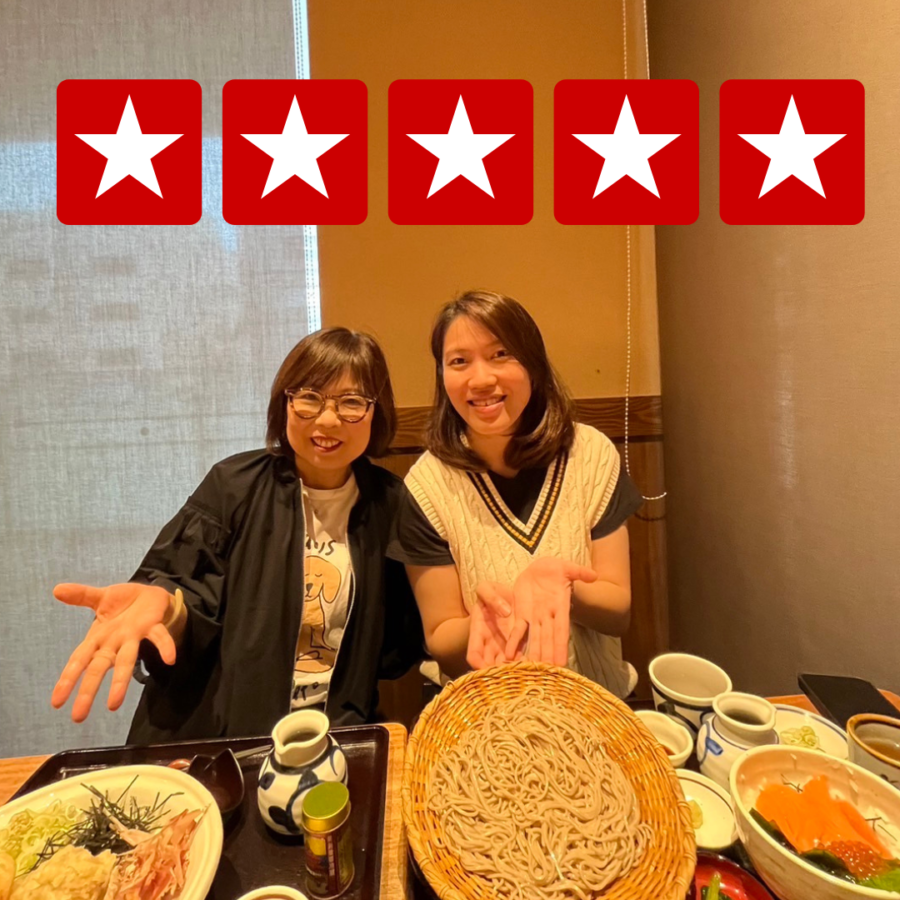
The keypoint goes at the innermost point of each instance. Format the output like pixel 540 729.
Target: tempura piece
pixel 7 874
pixel 70 874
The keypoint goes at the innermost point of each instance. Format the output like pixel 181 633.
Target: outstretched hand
pixel 491 622
pixel 543 596
pixel 124 615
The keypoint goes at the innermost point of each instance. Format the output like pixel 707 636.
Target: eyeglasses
pixel 350 408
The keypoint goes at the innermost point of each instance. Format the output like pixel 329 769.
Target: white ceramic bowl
pixel 674 736
pixel 684 686
pixel 717 830
pixel 274 892
pixel 788 876
pixel 799 728
pixel 150 783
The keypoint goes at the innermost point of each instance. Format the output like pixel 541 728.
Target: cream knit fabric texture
pixel 484 550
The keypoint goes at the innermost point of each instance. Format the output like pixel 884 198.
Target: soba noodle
pixel 529 800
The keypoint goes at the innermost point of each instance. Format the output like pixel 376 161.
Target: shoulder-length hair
pixel 547 424
pixel 319 360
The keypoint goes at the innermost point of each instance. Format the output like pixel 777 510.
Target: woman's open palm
pixel 543 596
pixel 124 615
pixel 490 626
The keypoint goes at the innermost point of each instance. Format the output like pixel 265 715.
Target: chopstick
pixel 245 754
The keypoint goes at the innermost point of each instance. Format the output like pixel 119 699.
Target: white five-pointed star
pixel 626 152
pixel 460 152
pixel 792 151
pixel 294 152
pixel 128 152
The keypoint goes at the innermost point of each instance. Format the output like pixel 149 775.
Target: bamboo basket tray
pixel 666 868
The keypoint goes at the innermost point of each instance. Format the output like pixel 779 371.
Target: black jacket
pixel 236 549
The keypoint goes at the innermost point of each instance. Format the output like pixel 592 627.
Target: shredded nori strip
pixel 96 832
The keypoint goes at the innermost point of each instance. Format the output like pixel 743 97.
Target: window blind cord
pixel 628 337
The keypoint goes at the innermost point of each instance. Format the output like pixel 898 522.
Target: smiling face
pixel 487 386
pixel 325 446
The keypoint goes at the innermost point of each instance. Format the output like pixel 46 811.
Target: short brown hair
pixel 547 424
pixel 320 359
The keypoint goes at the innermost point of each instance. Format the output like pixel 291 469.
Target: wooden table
pixel 14 772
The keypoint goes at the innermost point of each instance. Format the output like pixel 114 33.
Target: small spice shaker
pixel 329 843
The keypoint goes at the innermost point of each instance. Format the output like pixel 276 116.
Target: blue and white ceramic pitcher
pixel 737 723
pixel 304 755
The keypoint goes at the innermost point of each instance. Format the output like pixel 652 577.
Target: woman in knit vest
pixel 512 530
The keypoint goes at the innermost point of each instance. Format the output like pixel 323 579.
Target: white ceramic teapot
pixel 737 723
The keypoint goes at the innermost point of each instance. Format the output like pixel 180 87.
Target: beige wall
pixel 390 279
pixel 781 369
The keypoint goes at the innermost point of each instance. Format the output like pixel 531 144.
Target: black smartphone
pixel 838 697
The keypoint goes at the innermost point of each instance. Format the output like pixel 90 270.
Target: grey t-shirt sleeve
pixel 414 540
pixel 626 500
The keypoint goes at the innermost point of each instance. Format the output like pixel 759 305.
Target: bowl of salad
pixel 718 878
pixel 817 827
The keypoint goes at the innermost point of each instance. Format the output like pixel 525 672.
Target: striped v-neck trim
pixel 525 535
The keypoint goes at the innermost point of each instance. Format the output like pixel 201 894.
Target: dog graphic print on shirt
pixel 322 581
pixel 327 591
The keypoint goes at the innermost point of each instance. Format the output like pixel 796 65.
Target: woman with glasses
pixel 269 590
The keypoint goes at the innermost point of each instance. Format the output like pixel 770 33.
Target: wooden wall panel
pixel 399 463
pixel 391 279
pixel 649 633
pixel 605 413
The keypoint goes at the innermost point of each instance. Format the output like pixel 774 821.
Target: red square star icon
pixel 128 152
pixel 460 152
pixel 625 152
pixel 792 152
pixel 295 152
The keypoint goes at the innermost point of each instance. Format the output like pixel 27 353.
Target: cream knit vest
pixel 494 546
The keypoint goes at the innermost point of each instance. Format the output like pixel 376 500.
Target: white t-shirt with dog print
pixel 328 590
